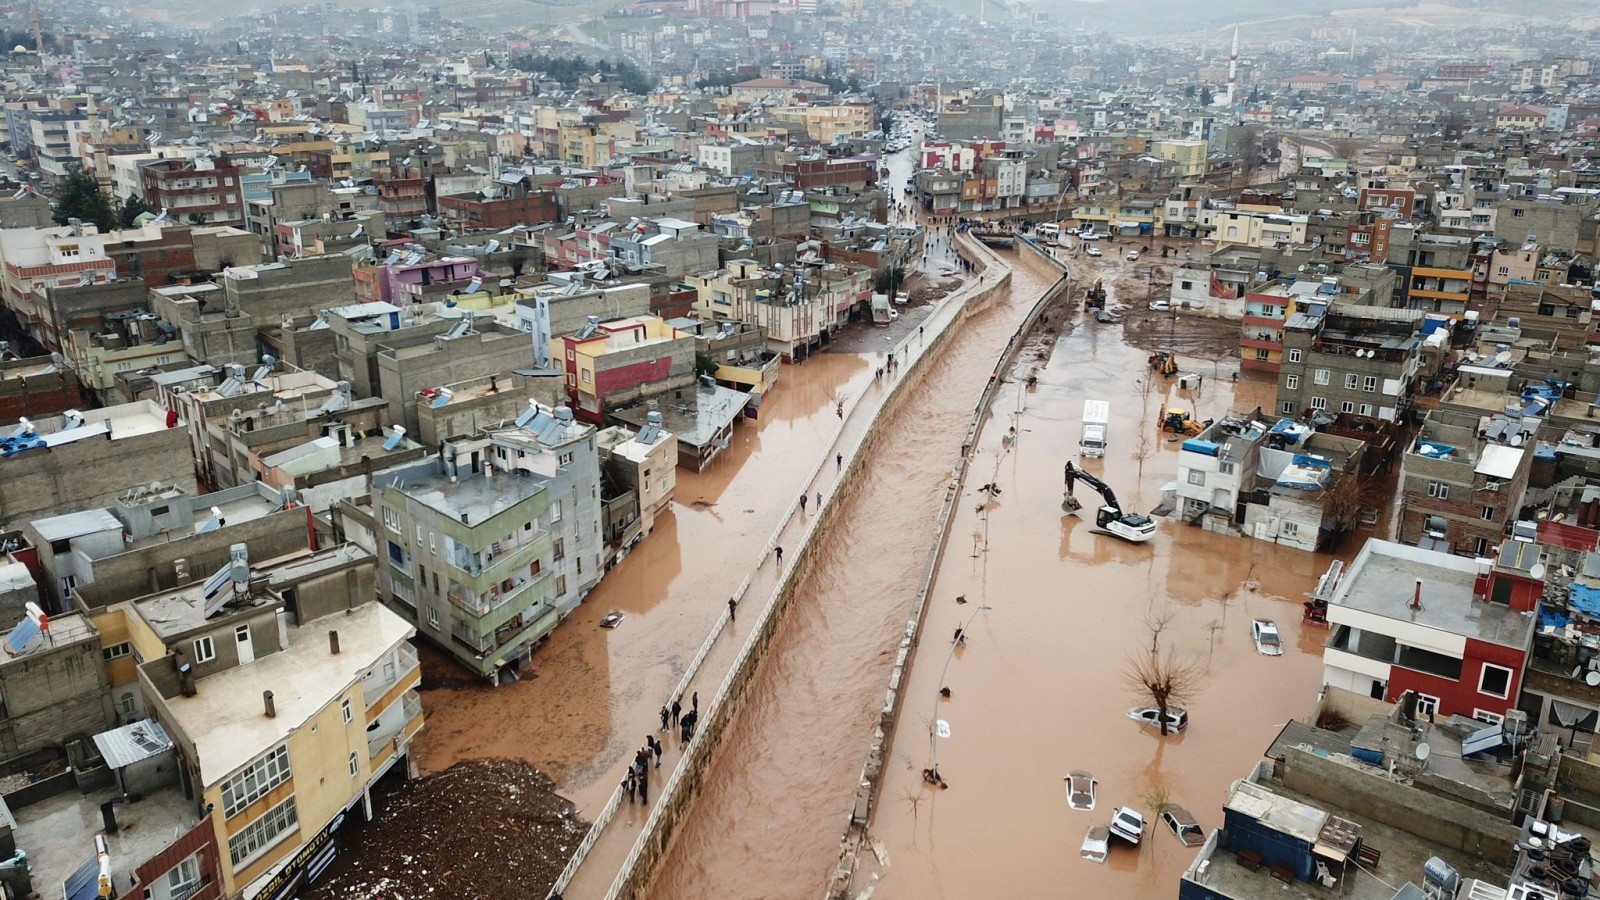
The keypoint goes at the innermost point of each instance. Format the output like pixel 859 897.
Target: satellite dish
pixel 1537 571
pixel 1592 679
pixel 1422 752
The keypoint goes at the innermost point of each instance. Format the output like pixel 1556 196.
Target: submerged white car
pixel 1096 844
pixel 1080 790
pixel 1265 634
pixel 1128 823
pixel 1177 719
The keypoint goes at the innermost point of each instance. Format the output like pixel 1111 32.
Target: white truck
pixel 1096 418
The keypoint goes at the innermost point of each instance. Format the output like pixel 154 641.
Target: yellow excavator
pixel 1164 362
pixel 1178 421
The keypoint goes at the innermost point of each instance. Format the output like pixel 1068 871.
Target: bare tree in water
pixel 1165 679
pixel 1344 498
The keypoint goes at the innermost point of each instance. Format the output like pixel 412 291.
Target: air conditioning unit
pixel 180 570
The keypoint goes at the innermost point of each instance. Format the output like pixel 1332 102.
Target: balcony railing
pixel 383 739
pixel 378 686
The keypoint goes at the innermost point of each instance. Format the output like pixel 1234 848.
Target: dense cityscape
pixel 800 449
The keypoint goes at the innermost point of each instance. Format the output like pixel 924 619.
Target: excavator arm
pixel 1073 473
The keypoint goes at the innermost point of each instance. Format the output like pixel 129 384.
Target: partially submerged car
pixel 1177 719
pixel 1265 634
pixel 1080 790
pixel 1128 823
pixel 1184 826
pixel 611 620
pixel 1096 844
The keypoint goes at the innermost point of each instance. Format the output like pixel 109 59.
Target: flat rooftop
pixel 695 421
pixel 475 496
pixel 1382 580
pixel 58 833
pixel 68 629
pixel 225 719
pixel 174 612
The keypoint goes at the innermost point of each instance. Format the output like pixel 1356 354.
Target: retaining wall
pixel 678 791
pixel 894 697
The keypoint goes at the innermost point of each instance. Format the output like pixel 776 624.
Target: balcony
pixel 487 614
pixel 391 737
pixel 382 682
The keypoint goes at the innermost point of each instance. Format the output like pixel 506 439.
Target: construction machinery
pixel 1109 518
pixel 1095 297
pixel 1164 362
pixel 1178 421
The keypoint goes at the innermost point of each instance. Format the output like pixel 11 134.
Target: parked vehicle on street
pixel 1094 251
pixel 1183 826
pixel 1096 844
pixel 1133 255
pixel 1128 823
pixel 1265 633
pixel 1177 719
pixel 1080 790
pixel 1096 419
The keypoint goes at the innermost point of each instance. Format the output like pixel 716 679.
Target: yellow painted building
pixel 1188 155
pixel 285 705
pixel 825 123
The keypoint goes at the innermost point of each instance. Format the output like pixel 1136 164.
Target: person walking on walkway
pixel 802 503
pixel 780 558
pixel 644 785
pixel 733 609
pixel 819 501
pixel 838 462
pixel 685 729
pixel 630 785
pixel 665 715
pixel 655 748
pixel 676 709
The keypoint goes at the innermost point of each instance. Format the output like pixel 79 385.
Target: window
pixel 204 651
pixel 1197 478
pixel 564 459
pixel 1319 403
pixel 1294 355
pixel 391 519
pixel 1289 529
pixel 1346 406
pixel 586 376
pixel 1572 312
pixel 1503 271
pixel 1366 409
pixel 344 710
pixel 1487 718
pixel 1350 381
pixel 1226 468
pixel 1480 547
pixel 1262 353
pixel 1369 384
pixel 1438 490
pixel 1486 514
pixel 1494 680
pixel 561 585
pixel 128 705
pixel 1518 213
pixel 1291 382
pixel 1427 705
pixel 117 651
pixel 433 619
pixel 1186 285
pixel 1287 407
pixel 1321 377
pixel 559 548
pixel 264 832
pixel 355 766
pixel 579 561
pixel 249 785
pixel 183 879
pixel 555 511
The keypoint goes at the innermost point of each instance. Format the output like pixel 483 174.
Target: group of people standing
pixel 636 783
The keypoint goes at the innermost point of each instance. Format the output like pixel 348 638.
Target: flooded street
pixel 1053 613
pixel 591 693
pixel 766 822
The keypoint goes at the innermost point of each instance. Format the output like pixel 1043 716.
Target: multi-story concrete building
pixel 411 372
pixel 1407 618
pixel 54 686
pixel 202 191
pixel 1261 330
pixel 38 258
pixel 490 545
pixel 1464 481
pixel 641 470
pixel 611 364
pixel 1361 360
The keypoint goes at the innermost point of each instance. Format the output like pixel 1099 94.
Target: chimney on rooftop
pixel 1416 597
pixel 271 708
pixel 333 642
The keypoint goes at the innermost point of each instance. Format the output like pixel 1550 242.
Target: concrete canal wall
pixel 678 791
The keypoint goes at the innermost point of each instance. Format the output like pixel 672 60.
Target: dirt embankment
pixel 482 829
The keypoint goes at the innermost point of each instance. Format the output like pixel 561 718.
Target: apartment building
pixel 472 548
pixel 1465 476
pixel 1360 360
pixel 202 191
pixel 611 364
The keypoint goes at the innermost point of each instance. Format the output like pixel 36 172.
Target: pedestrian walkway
pixel 619 824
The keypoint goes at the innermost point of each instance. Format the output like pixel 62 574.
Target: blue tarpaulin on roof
pixel 1549 618
pixel 1429 326
pixel 1584 599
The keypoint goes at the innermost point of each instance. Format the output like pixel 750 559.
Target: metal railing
pixel 406 662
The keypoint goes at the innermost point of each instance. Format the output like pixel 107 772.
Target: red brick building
pixel 522 207
pixel 188 188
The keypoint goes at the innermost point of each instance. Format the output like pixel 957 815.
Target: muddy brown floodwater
pixel 591 694
pixel 767 818
pixel 1052 611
